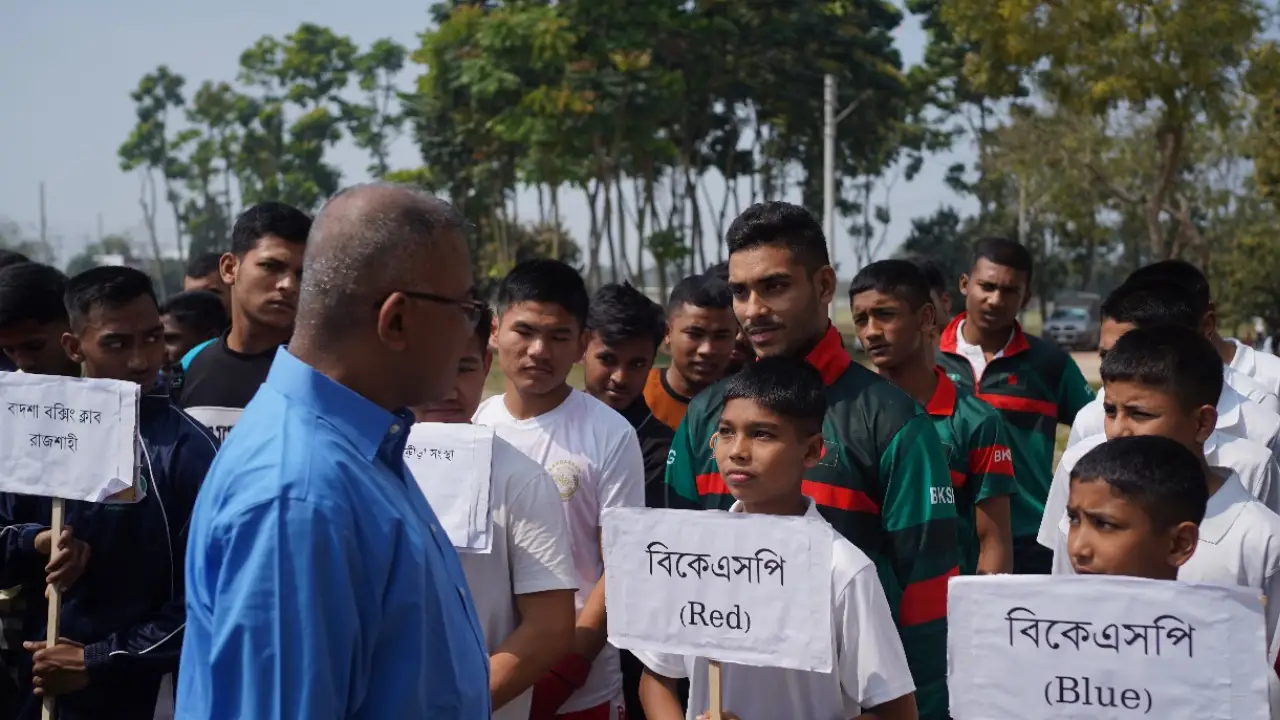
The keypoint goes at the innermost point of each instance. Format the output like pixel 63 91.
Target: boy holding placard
pixel 770 432
pixel 120 565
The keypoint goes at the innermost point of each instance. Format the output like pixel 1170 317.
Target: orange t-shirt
pixel 665 404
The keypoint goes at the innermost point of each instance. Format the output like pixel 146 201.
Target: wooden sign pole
pixel 713 689
pixel 55 600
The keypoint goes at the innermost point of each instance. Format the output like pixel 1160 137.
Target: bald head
pixel 367 242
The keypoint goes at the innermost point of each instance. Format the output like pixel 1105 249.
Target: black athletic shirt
pixel 220 382
pixel 655 443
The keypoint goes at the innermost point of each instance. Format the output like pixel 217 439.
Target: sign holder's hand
pixel 68 557
pixel 57 669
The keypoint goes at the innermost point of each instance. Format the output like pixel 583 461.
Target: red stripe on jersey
pixel 838 497
pixel 1017 404
pixel 993 459
pixel 711 484
pixel 925 601
pixel 958 479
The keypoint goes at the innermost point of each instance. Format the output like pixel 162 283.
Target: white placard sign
pixel 67 438
pixel 452 464
pixel 1044 647
pixel 219 420
pixel 739 588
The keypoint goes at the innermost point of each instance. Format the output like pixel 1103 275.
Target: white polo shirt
pixel 1237 416
pixel 1252 389
pixel 530 552
pixel 1240 545
pixel 870 665
pixel 973 353
pixel 593 456
pixel 1252 463
pixel 1263 367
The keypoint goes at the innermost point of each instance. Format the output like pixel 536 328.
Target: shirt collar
pixel 365 424
pixel 1224 507
pixel 1243 361
pixel 943 402
pixel 1228 407
pixel 829 356
pixel 810 511
pixel 952 339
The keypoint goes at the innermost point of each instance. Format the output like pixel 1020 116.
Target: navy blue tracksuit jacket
pixel 127 607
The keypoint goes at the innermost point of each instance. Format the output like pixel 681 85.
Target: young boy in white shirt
pixel 1164 382
pixel 1152 389
pixel 770 432
pixel 590 452
pixel 523 588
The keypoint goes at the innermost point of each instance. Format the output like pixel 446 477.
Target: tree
pixel 943 237
pixel 376 124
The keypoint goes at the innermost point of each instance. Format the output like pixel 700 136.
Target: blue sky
pixel 67 67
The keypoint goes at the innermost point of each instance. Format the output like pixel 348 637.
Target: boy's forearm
pixel 658 698
pixel 903 708
pixel 590 631
pixel 543 636
pixel 995 537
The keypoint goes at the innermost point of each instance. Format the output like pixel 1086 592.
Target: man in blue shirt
pixel 319 582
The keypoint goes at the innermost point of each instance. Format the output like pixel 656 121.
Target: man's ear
pixel 964 284
pixel 71 346
pixel 928 316
pixel 1206 421
pixel 227 268
pixel 813 450
pixel 1182 543
pixel 487 355
pixel 825 281
pixel 390 322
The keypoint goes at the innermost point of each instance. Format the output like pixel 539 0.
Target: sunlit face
pixel 460 402
pixel 781 306
pixel 1109 535
pixel 120 343
pixel 615 374
pixel 889 330
pixel 1132 408
pixel 37 348
pixel 538 344
pixel 701 342
pixel 1109 333
pixel 211 282
pixel 762 456
pixel 265 281
pixel 993 295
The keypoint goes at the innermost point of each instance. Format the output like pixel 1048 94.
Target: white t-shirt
pixel 1263 367
pixel 1240 545
pixel 529 553
pixel 870 664
pixel 1252 463
pixel 1237 416
pixel 592 454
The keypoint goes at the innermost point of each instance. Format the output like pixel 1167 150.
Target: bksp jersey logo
pixel 942 496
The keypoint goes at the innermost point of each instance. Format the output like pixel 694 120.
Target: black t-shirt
pixel 655 444
pixel 220 382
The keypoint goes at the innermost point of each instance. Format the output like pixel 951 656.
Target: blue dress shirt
pixel 319 582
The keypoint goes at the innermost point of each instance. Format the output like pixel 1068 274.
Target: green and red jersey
pixel 1035 385
pixel 882 483
pixel 978 456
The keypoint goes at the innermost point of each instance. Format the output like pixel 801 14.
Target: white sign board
pixel 219 420
pixel 67 438
pixel 1104 647
pixel 452 464
pixel 739 588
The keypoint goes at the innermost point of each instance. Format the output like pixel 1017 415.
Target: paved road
pixel 1089 363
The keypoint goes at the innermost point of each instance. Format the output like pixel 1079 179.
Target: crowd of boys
pixel 937 460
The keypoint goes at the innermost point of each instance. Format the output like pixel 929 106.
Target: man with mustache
pixel 1034 384
pixel 882 479
pixel 263 271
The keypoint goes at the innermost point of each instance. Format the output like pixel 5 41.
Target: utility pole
pixel 44 228
pixel 99 227
pixel 829 172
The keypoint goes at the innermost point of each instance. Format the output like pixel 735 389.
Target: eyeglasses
pixel 473 308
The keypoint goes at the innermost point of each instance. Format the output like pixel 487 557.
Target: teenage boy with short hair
pixel 590 451
pixel 203 274
pixel 1165 381
pixel 700 340
pixel 1034 384
pixel 1144 304
pixel 263 271
pixel 122 610
pixel 769 434
pixel 893 317
pixel 1262 367
pixel 624 330
pixel 33 319
pixel 523 587
pixel 190 318
pixel 1239 537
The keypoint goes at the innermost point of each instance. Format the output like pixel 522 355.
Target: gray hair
pixel 367 241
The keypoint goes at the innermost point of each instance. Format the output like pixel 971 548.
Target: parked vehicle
pixel 1076 321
